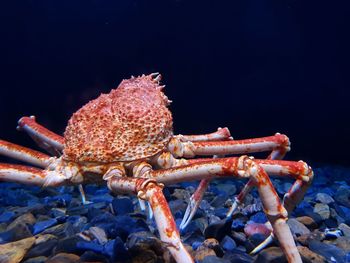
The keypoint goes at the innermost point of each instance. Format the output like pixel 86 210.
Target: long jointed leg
pixel 45 138
pixel 24 154
pixel 30 175
pixel 150 190
pixel 244 167
pixel 220 135
pixel 191 149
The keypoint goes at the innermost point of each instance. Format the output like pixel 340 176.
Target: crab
pixel 125 139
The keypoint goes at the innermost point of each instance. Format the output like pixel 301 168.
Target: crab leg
pixel 244 167
pixel 191 149
pixel 278 144
pixel 150 190
pixel 220 135
pixel 45 138
pixel 276 154
pixel 24 154
pixel 30 175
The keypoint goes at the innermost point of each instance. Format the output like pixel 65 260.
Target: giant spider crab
pixel 126 139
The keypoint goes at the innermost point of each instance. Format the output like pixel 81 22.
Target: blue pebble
pixel 93 246
pixel 122 205
pixel 6 216
pixel 196 244
pixel 259 217
pixel 237 224
pixel 102 198
pixel 228 243
pixel 42 225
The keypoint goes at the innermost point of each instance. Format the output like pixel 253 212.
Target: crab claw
pixel 190 212
pixel 194 202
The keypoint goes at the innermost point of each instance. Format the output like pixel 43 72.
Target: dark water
pixel 256 67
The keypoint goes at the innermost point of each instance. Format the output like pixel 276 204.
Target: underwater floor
pixel 52 225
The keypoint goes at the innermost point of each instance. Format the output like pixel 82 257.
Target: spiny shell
pixel 129 123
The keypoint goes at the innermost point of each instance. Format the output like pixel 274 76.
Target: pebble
pixel 122 205
pixel 309 256
pixel 228 244
pixel 307 221
pixel 324 198
pixel 7 216
pixel 271 254
pixel 345 228
pixel 42 225
pixel 218 229
pixel 342 196
pixel 14 252
pixel 330 252
pixel 64 258
pixel 297 228
pixel 322 210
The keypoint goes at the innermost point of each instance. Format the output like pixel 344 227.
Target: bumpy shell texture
pixel 129 123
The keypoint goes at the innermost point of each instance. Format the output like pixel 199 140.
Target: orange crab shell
pixel 131 122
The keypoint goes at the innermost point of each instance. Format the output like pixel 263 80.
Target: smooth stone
pixel 6 216
pixel 26 218
pixel 221 212
pixel 122 205
pixel 58 212
pixel 33 208
pixel 228 244
pixel 309 256
pixel 42 225
pixel 203 252
pixel 98 234
pixel 331 223
pixel 345 228
pixel 259 217
pixel 322 210
pixel 212 243
pixel 297 228
pixel 144 240
pixel 218 230
pixel 40 259
pixel 181 194
pixel 214 259
pixel 307 221
pixel 42 249
pixel 14 252
pixel 146 256
pixel 60 231
pixel 237 256
pixel 343 243
pixel 342 196
pixel 271 255
pixel 238 224
pixel 330 252
pixel 64 258
pixel 87 245
pixel 219 200
pixel 69 245
pixel 229 188
pixel 239 237
pixel 17 232
pixel 324 198
pixel 177 205
pixel 252 228
pixel 102 198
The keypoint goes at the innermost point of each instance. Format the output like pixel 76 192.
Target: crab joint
pixel 145 185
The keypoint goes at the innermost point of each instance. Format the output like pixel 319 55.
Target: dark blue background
pixel 258 67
